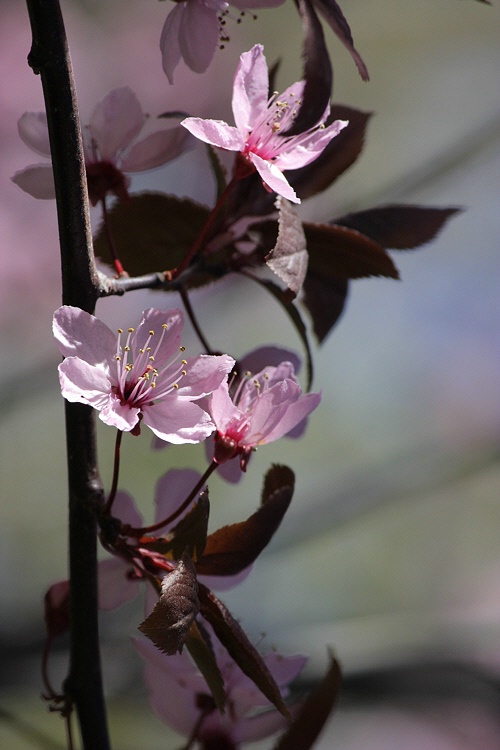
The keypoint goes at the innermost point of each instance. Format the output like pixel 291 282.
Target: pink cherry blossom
pixel 259 122
pixel 194 28
pixel 263 408
pixel 177 690
pixel 111 145
pixel 143 378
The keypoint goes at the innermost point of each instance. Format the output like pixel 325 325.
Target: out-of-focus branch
pixel 50 58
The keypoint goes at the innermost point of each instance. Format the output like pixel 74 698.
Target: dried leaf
pixel 313 714
pixel 288 258
pixel 171 618
pixel 235 641
pixel 233 548
pixel 399 227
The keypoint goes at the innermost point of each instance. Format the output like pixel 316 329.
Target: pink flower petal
pixel 116 414
pixel 250 89
pixel 166 342
pixel 198 34
pixel 125 509
pixel 83 383
pixel 169 41
pixel 309 146
pixel 78 333
pixel 33 129
pixel 274 178
pixel 172 489
pixel 154 150
pixel 215 132
pixel 222 408
pixel 294 415
pixel 36 180
pixel 116 120
pixel 114 586
pixel 204 374
pixel 178 421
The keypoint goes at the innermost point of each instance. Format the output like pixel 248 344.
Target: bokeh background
pixel 390 551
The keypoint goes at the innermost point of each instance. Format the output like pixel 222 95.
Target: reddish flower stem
pixel 206 229
pixel 128 531
pixel 111 243
pixel 116 472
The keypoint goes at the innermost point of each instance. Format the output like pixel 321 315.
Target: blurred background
pixel 390 551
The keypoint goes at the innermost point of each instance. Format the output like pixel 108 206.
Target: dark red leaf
pixel 151 231
pixel 325 299
pixel 277 477
pixel 399 227
pixel 338 156
pixel 288 258
pixel 343 253
pixel 317 71
pixel 191 532
pixel 313 714
pixel 233 638
pixel 199 646
pixel 337 22
pixel 171 618
pixel 233 548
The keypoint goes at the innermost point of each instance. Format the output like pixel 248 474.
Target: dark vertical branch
pixel 50 58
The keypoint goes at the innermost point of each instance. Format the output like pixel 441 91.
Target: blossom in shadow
pixel 194 28
pixel 144 379
pixel 261 125
pixel 112 147
pixel 180 697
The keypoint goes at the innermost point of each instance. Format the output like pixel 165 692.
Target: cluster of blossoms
pixel 146 380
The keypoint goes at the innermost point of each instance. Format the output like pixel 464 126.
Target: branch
pixel 50 58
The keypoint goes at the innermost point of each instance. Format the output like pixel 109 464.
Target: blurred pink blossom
pixel 110 143
pixel 180 697
pixel 144 379
pixel 193 29
pixel 259 122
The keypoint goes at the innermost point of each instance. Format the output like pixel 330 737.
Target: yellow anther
pixel 184 361
pixel 118 358
pixel 126 348
pixel 141 351
pixel 128 367
pixel 120 330
pixel 151 358
pixel 176 385
pixel 182 348
pixel 151 333
pixel 164 325
pixel 184 372
pixel 153 384
pixel 131 330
